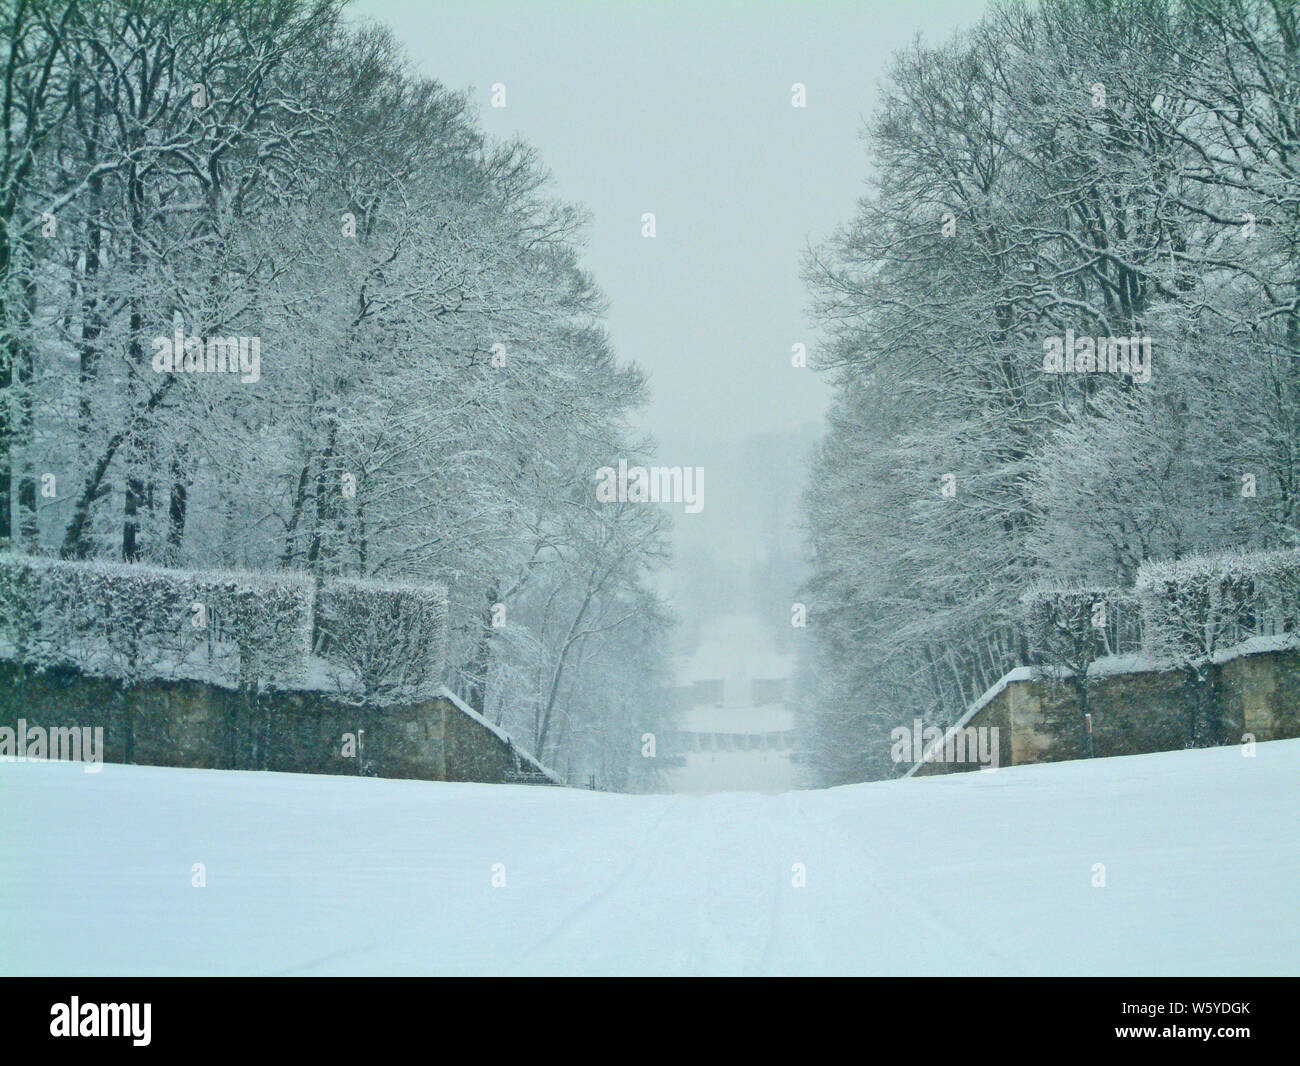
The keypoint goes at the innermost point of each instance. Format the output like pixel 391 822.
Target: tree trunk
pixel 324 504
pixel 479 665
pixel 76 540
pixel 177 505
pixel 295 516
pixel 25 375
pixel 135 486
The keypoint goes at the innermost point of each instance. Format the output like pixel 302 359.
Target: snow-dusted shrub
pixel 20 596
pixel 133 622
pixel 1070 628
pixel 89 615
pixel 378 640
pixel 1196 606
pixel 382 640
pixel 268 617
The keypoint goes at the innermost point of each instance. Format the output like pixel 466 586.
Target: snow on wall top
pixel 1108 667
pixel 500 734
pixel 1020 673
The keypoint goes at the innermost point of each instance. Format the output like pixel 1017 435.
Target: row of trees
pixel 1110 168
pixel 424 389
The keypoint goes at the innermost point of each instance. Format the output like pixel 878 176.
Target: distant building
pixel 735 726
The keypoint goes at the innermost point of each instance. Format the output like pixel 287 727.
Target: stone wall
pixel 195 724
pixel 1139 712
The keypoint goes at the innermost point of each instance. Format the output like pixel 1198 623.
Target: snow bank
pixel 984 874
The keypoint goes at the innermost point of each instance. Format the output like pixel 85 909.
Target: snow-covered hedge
pixel 1199 605
pixel 132 622
pixel 381 639
pixel 376 639
pixel 1072 627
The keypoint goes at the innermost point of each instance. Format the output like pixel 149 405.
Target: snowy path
pixel 976 873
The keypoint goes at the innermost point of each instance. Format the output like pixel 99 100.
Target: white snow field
pixel 977 873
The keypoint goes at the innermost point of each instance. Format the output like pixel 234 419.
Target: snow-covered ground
pixel 980 873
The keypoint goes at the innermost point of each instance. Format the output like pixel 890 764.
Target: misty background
pixel 685 111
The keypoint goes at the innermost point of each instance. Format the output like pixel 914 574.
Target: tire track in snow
pixel 700 896
pixel 792 909
pixel 734 925
pixel 575 916
pixel 927 912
